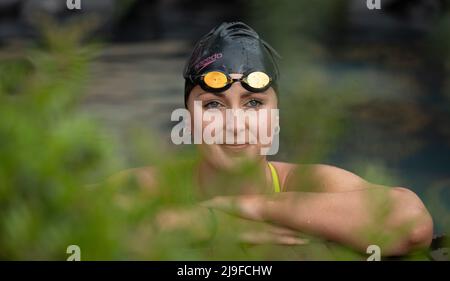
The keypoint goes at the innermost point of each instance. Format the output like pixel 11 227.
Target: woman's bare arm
pixel 393 218
pixel 322 178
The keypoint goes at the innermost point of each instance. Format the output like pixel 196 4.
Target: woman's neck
pixel 214 181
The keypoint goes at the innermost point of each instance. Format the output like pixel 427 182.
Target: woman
pixel 231 68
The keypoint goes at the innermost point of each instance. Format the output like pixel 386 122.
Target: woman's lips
pixel 236 146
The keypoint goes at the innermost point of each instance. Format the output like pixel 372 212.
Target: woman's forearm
pixel 394 219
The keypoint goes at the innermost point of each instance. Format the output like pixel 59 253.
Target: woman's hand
pixel 196 221
pixel 245 206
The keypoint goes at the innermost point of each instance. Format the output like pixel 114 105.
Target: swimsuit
pixel 275 180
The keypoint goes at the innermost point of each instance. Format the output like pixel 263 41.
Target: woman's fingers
pixel 223 203
pixel 245 206
pixel 270 238
pixel 278 230
pixel 251 207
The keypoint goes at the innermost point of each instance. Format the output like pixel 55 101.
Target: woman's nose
pixel 235 126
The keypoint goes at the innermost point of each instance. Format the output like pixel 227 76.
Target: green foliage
pixel 48 152
pixel 56 163
pixel 55 160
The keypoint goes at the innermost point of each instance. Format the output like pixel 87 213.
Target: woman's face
pixel 228 154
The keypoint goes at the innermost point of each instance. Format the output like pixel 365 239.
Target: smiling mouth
pixel 236 146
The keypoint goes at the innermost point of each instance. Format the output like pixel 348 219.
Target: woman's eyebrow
pixel 246 94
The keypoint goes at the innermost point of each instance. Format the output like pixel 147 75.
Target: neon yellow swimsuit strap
pixel 276 182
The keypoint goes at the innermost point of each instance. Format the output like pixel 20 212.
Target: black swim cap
pixel 231 47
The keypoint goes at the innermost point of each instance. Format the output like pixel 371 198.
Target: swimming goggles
pixel 217 81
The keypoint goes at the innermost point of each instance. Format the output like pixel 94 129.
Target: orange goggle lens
pixel 216 79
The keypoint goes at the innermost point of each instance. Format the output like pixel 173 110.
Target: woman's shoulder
pixel 316 177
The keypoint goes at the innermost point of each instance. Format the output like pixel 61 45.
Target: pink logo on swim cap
pixel 204 63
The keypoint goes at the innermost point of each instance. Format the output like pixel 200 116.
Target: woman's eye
pixel 254 103
pixel 212 104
